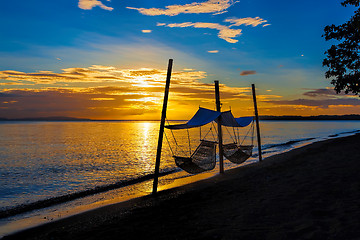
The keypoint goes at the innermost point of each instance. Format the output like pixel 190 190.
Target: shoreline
pixel 209 201
pixel 60 210
pixel 40 204
pixel 76 195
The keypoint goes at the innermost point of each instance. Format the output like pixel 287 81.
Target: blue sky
pixel 275 44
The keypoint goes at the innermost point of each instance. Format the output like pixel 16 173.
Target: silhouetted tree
pixel 343 59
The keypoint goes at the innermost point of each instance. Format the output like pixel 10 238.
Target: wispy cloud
pixel 213 51
pixel 225 32
pixel 245 21
pixel 108 92
pixel 89 4
pixel 99 74
pixel 247 72
pixel 123 81
pixel 322 92
pixel 321 98
pixel 210 6
pixel 146 31
pixel 318 103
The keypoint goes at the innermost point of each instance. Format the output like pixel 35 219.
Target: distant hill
pixel 312 118
pixel 60 118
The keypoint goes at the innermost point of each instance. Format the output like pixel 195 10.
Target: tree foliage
pixel 343 59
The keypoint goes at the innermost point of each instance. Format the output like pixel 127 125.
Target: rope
pixel 177 145
pixel 212 133
pixel 238 135
pixel 247 134
pixel 189 141
pixel 252 135
pixel 230 135
pixel 207 134
pixel 214 128
pixel 236 139
pixel 169 144
pixel 200 132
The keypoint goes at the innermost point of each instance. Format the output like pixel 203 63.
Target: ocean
pixel 46 164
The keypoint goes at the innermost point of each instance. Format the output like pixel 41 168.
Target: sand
pixel 312 192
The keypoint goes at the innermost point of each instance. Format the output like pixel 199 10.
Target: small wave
pixel 288 143
pixel 355 131
pixel 343 133
pixel 72 196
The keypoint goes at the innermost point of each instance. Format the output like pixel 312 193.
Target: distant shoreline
pixel 312 118
pixel 271 118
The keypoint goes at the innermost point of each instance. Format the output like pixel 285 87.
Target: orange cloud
pixel 131 93
pixel 98 74
pixel 210 6
pixel 246 21
pixel 225 32
pixel 89 4
pixel 110 102
pixel 107 92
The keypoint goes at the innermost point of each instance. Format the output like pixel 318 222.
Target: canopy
pixel 244 121
pixel 228 120
pixel 204 116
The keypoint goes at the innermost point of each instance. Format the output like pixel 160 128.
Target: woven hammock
pixel 203 159
pixel 237 153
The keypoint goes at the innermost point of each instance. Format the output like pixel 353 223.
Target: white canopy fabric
pixel 204 116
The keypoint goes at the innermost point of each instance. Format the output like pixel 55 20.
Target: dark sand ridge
pixel 311 192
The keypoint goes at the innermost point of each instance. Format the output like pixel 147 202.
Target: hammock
pixel 203 159
pixel 237 153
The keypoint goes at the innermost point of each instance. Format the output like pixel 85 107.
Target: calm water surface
pixel 41 160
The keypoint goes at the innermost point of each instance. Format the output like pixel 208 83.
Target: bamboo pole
pixel 257 122
pixel 218 108
pixel 162 126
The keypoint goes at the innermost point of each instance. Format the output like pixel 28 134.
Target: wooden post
pixel 162 126
pixel 257 122
pixel 218 108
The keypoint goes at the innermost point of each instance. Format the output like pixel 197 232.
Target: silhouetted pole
pixel 162 125
pixel 257 122
pixel 218 108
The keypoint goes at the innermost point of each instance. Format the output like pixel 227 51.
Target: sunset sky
pixel 105 59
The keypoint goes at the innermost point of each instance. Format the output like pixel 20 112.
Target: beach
pixel 311 192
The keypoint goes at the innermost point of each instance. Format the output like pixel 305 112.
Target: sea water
pixel 45 160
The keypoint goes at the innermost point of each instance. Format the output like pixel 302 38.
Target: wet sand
pixel 311 192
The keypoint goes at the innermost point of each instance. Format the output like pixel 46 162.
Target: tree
pixel 343 59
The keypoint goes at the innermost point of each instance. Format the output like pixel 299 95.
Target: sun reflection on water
pixel 147 146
